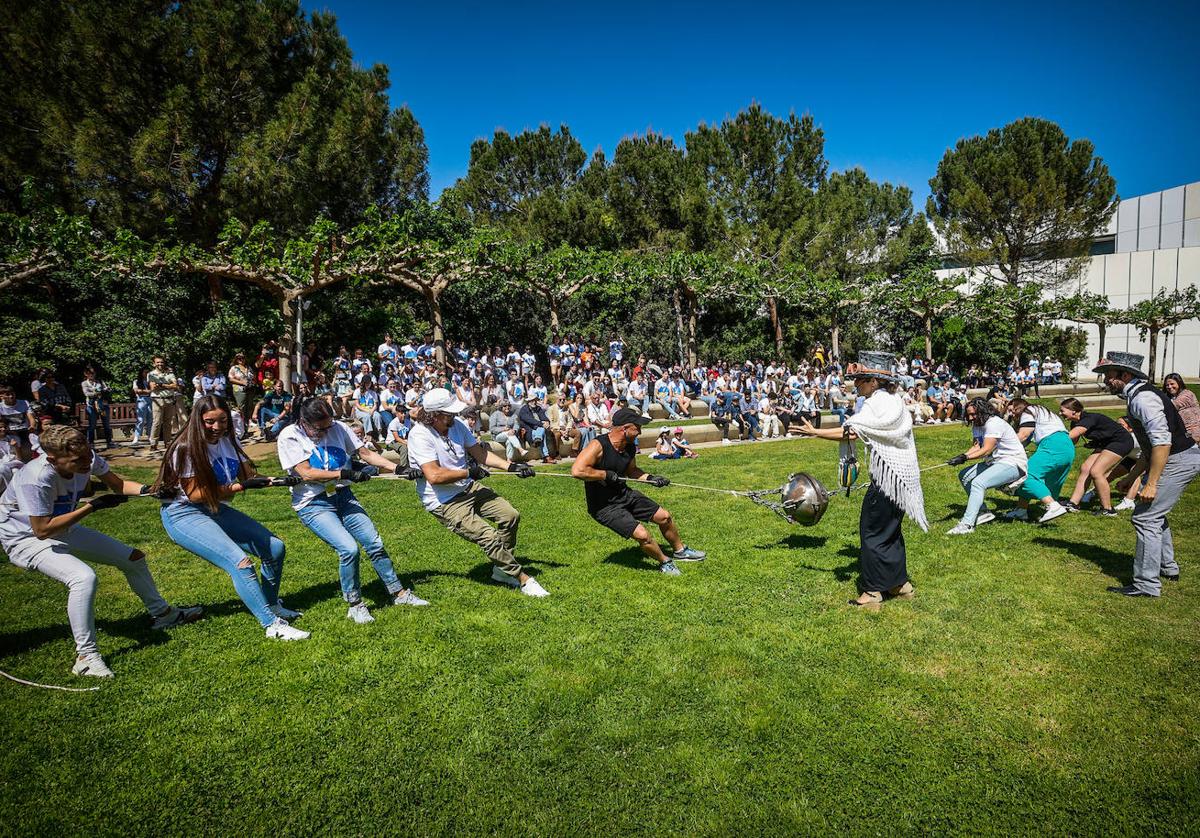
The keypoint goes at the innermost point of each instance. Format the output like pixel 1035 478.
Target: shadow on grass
pixel 796 541
pixel 136 629
pixel 1114 564
pixel 633 558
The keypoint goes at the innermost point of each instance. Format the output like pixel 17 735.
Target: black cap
pixel 628 416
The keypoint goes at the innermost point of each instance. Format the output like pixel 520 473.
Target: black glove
pixel 957 461
pixel 658 480
pixel 410 472
pixel 107 501
pixel 369 470
pixel 290 480
pixel 611 478
pixel 354 476
pixel 258 482
pixel 521 470
pixel 476 471
pixel 145 490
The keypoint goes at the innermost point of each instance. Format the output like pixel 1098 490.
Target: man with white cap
pixel 447 461
pixel 1172 462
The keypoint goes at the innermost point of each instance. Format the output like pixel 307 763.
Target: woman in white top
pixel 1050 463
pixel 40 530
pixel 204 468
pixel 1004 462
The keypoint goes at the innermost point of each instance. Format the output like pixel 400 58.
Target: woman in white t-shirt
pixel 1004 462
pixel 204 468
pixel 1050 463
pixel 319 451
pixel 40 530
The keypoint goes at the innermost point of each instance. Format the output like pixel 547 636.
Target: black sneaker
pixel 1070 507
pixel 1128 590
pixel 1106 513
pixel 1170 577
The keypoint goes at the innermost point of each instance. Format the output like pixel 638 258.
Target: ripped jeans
pixel 228 539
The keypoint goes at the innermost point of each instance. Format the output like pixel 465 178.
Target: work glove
pixel 611 478
pixel 521 470
pixel 957 461
pixel 476 471
pixel 290 480
pixel 354 476
pixel 107 501
pixel 257 482
pixel 658 480
pixel 409 472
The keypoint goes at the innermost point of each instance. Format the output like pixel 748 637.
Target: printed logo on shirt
pixel 64 504
pixel 226 470
pixel 328 457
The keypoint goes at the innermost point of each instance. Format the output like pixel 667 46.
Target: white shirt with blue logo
pixel 39 490
pixel 222 456
pixel 332 452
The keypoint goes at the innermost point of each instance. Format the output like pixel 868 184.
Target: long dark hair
pixel 1177 378
pixel 191 447
pixel 1023 405
pixel 983 411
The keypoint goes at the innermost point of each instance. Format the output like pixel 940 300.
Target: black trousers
pixel 881 561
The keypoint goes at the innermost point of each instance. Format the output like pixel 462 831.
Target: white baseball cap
pixel 442 401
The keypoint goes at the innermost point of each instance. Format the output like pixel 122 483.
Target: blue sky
pixel 893 85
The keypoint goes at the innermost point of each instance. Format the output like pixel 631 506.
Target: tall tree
pixel 1165 310
pixel 922 292
pixel 762 173
pixel 1091 308
pixel 170 118
pixel 1022 205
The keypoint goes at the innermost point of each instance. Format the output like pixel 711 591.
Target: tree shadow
pixel 632 558
pixel 1117 565
pixel 796 541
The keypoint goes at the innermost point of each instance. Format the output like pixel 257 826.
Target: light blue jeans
pixel 342 523
pixel 665 405
pixel 371 421
pixel 510 442
pixel 145 417
pixel 977 479
pixel 586 434
pixel 540 438
pixel 227 539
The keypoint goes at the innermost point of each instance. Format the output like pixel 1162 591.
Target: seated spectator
pixel 367 410
pixel 599 415
pixel 272 411
pixel 502 425
pixel 719 416
pixel 54 401
pixel 662 395
pixel 768 418
pixel 397 430
pixel 681 398
pixel 680 444
pixel 562 427
pixel 807 409
pixel 534 427
pixel 638 394
pixel 663 449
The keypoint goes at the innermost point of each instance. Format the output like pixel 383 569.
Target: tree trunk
pixel 435 317
pixel 215 289
pixel 1102 328
pixel 1018 333
pixel 1153 352
pixel 835 330
pixel 776 326
pixel 553 301
pixel 928 334
pixel 691 316
pixel 676 299
pixel 287 347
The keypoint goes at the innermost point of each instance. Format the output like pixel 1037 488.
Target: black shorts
pixel 1120 447
pixel 1128 463
pixel 623 515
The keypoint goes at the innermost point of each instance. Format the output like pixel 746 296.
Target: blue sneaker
pixel 687 554
pixel 669 568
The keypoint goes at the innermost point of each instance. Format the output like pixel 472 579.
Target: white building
pixel 1152 242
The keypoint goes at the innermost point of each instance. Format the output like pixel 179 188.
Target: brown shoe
pixel 905 591
pixel 869 600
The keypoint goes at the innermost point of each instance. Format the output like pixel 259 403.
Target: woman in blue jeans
pixel 204 468
pixel 1004 463
pixel 145 411
pixel 317 451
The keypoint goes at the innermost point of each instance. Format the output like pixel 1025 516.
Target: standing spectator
pixel 54 400
pixel 1185 402
pixel 36 384
pixel 97 402
pixel 212 383
pixel 163 389
pixel 267 365
pixel 239 378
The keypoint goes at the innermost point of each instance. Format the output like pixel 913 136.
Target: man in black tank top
pixel 606 465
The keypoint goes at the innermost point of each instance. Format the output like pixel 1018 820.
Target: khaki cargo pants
pixel 468 515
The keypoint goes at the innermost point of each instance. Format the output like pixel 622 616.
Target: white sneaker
pixel 787 436
pixel 1126 503
pixel 985 518
pixel 92 665
pixel 360 614
pixel 1053 511
pixel 281 610
pixel 503 578
pixel 279 630
pixel 408 598
pixel 177 617
pixel 726 441
pixel 961 529
pixel 1017 514
pixel 532 588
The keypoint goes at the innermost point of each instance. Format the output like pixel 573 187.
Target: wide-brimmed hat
pixel 879 365
pixel 1129 362
pixel 442 401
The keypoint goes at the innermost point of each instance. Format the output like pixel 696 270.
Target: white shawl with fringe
pixel 885 425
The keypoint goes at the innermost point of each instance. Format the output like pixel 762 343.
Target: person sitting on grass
pixel 1004 462
pixel 607 465
pixel 663 449
pixel 680 444
pixel 320 451
pixel 40 530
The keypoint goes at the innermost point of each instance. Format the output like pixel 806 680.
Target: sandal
pixel 905 591
pixel 873 603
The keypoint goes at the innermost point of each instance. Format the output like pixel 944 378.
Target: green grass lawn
pixel 1014 695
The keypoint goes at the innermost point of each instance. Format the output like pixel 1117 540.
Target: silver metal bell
pixel 804 498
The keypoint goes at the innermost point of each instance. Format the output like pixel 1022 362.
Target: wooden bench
pixel 122 415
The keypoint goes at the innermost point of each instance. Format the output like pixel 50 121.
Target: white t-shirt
pixel 17 413
pixel 223 457
pixel 1043 423
pixel 426 445
pixel 38 489
pixel 1008 448
pixel 330 453
pixel 398 427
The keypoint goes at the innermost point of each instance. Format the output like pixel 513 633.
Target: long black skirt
pixel 881 560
